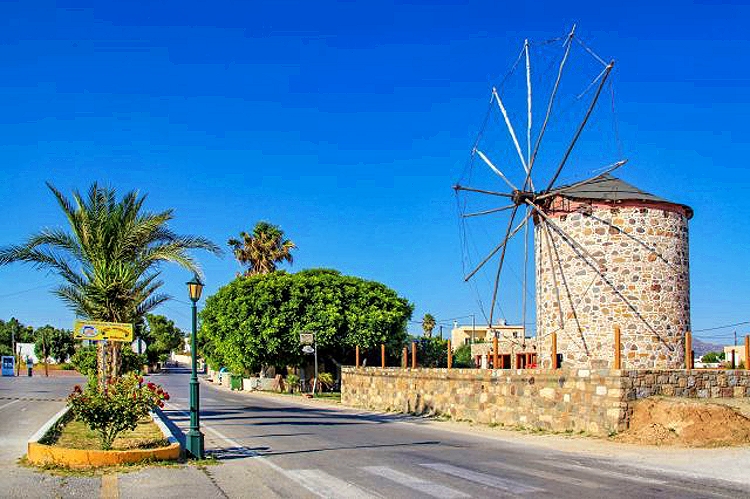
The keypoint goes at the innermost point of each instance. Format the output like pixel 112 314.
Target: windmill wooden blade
pixel 488 212
pixel 496 170
pixel 587 259
pixel 508 236
pixel 582 125
pixel 608 169
pixel 500 269
pixel 458 187
pixel 554 275
pixel 551 102
pixel 568 293
pixel 511 130
pixel 560 230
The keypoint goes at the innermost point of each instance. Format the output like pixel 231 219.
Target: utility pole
pixel 473 328
pixel 441 332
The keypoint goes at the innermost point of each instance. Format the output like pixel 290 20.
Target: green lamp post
pixel 194 441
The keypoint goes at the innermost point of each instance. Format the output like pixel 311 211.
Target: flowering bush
pixel 117 407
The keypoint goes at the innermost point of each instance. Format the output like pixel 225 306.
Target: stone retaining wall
pixel 594 401
pixel 696 383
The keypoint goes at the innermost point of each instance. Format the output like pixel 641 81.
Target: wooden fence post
pixel 688 350
pixel 382 355
pixel 747 352
pixel 450 354
pixel 618 347
pixel 413 354
pixel 494 352
pixel 404 358
pixel 554 351
pixel 356 356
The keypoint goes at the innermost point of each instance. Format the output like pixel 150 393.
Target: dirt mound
pixel 687 423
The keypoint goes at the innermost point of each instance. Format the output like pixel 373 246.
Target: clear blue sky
pixel 347 124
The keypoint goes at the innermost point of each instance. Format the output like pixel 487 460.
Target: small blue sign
pixel 8 365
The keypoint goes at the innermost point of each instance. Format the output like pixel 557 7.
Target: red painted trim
pixel 561 205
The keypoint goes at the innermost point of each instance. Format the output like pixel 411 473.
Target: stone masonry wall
pixel 578 400
pixel 697 383
pixel 598 402
pixel 642 253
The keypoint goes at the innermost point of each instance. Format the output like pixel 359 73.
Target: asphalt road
pixel 279 447
pixel 276 447
pixel 25 405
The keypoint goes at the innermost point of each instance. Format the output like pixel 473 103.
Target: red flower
pixel 77 389
pixel 161 404
pixel 166 396
pixel 151 386
pixel 140 379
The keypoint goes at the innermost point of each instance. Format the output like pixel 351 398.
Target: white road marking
pixel 9 403
pixel 605 473
pixel 317 487
pixel 324 485
pixel 420 485
pixel 547 475
pixel 483 478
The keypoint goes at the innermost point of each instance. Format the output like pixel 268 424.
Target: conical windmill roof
pixel 612 189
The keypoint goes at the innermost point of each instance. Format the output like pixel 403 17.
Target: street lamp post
pixel 194 441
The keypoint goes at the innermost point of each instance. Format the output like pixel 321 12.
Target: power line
pixel 721 327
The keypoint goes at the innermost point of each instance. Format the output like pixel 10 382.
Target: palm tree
pixel 109 261
pixel 428 324
pixel 262 250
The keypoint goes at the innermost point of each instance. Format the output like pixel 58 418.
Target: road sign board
pixel 306 338
pixel 308 349
pixel 94 330
pixel 138 346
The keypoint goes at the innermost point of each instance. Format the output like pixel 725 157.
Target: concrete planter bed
pixel 42 452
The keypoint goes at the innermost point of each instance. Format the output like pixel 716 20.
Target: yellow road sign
pixel 111 331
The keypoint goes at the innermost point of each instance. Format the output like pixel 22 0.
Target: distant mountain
pixel 702 348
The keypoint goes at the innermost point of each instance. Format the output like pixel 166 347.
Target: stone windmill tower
pixel 627 266
pixel 606 254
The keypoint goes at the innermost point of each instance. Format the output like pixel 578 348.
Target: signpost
pixel 138 346
pixel 94 330
pixel 307 339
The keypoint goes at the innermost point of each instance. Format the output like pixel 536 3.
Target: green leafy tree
pixel 712 357
pixel 57 344
pixel 14 330
pixel 262 250
pixel 84 360
pixel 109 260
pixel 462 357
pixel 432 352
pixel 428 324
pixel 162 337
pixel 255 321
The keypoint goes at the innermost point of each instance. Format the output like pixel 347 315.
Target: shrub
pixel 325 379
pixel 84 360
pixel 292 380
pixel 117 407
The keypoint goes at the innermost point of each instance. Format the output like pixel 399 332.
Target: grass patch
pixel 332 396
pixel 76 435
pixel 63 471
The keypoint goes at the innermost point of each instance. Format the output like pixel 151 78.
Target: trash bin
pixel 235 382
